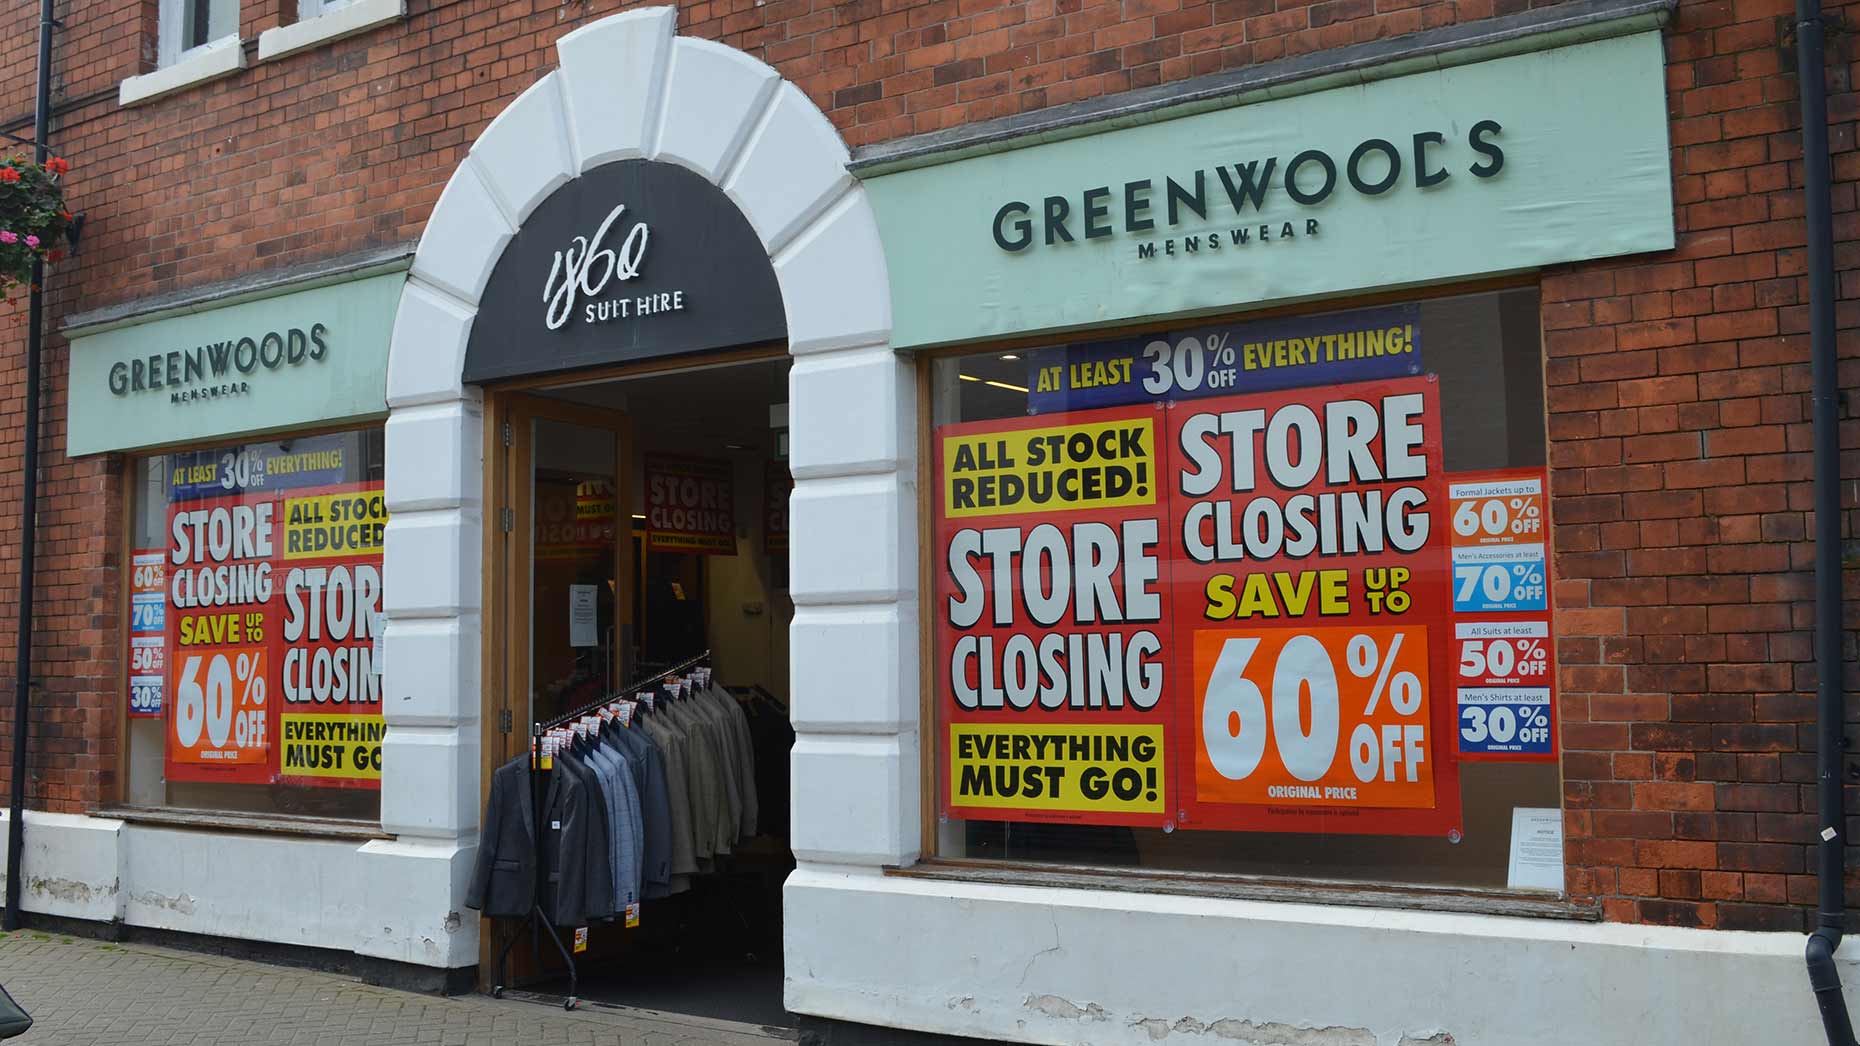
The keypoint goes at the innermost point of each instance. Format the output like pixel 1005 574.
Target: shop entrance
pixel 638 522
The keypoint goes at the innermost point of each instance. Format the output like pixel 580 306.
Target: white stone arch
pixel 628 87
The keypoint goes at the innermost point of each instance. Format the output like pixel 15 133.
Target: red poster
pixel 274 601
pixel 1229 613
pixel 690 506
pixel 1055 693
pixel 1309 585
pixel 777 484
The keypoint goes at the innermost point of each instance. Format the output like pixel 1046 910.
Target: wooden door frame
pixel 505 597
pixel 505 654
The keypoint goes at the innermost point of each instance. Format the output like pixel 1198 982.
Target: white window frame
pixel 171 32
pixel 322 22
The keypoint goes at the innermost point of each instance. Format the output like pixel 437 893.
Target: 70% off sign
pixel 1318 717
pixel 224 707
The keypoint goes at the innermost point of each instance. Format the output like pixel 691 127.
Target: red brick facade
pixel 1678 406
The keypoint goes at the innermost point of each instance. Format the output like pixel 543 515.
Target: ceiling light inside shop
pixel 996 384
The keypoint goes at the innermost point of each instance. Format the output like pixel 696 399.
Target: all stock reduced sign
pixel 1222 613
pixel 274 603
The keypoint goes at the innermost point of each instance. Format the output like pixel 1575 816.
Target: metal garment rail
pixel 538 919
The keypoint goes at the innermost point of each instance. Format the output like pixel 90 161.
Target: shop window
pixel 254 628
pixel 187 24
pixel 1263 597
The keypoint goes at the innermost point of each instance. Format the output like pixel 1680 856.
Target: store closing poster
pixel 1211 613
pixel 690 506
pixel 274 605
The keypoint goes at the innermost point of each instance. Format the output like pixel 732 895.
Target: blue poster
pixel 1498 577
pixel 1191 363
pixel 148 613
pixel 312 461
pixel 1504 720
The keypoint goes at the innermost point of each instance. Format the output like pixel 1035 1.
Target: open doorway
pixel 643 524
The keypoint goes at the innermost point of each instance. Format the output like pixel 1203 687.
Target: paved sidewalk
pixel 91 993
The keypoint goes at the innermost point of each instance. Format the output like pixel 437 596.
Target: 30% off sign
pixel 1314 717
pixel 219 706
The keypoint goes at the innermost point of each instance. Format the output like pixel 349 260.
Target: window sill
pixel 222 57
pixel 226 821
pixel 354 17
pixel 1463 899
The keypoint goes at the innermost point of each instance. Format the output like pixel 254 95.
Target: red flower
pixel 8 174
pixel 57 165
pixel 55 255
pixel 66 215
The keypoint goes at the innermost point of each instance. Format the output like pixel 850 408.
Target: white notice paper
pixel 1536 849
pixel 581 631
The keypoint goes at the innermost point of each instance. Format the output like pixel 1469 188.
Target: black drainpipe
pixel 29 502
pixel 1830 705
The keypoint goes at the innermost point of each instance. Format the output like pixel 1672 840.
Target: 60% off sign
pixel 222 706
pixel 1315 717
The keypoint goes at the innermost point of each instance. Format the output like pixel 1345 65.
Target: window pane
pixel 1209 599
pixel 255 613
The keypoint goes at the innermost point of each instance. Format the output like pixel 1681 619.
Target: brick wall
pixel 1679 425
pixel 1678 410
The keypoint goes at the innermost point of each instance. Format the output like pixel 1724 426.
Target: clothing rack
pixel 537 919
pixel 590 707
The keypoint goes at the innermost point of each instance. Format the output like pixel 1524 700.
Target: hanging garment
pixel 655 808
pixel 576 849
pixel 710 721
pixel 503 880
pixel 744 762
pixel 625 832
pixel 774 740
pixel 677 793
pixel 716 821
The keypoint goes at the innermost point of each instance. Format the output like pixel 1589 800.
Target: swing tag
pixel 581 939
pixel 632 915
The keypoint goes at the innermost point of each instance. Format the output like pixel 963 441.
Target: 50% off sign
pixel 219 706
pixel 1314 717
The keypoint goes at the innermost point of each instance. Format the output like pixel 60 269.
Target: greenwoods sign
pixel 297 356
pixel 1502 165
pixel 222 368
pixel 1149 209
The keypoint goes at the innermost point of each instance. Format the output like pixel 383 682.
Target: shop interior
pixel 657 510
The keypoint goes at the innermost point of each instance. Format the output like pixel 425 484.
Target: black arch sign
pixel 633 260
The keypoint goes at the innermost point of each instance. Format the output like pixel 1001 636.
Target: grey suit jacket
pixel 671 744
pixel 702 770
pixel 623 817
pixel 654 806
pixel 579 862
pixel 736 722
pixel 503 881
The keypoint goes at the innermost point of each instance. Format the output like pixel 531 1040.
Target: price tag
pixel 1314 717
pixel 1502 653
pixel 1498 577
pixel 1505 510
pixel 1504 720
pixel 632 915
pixel 581 939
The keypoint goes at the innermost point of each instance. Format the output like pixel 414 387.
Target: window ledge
pixel 228 821
pixel 222 57
pixel 354 17
pixel 1466 899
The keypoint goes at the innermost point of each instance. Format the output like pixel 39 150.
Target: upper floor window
pixel 188 24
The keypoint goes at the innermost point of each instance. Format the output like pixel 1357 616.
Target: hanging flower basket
pixel 33 217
